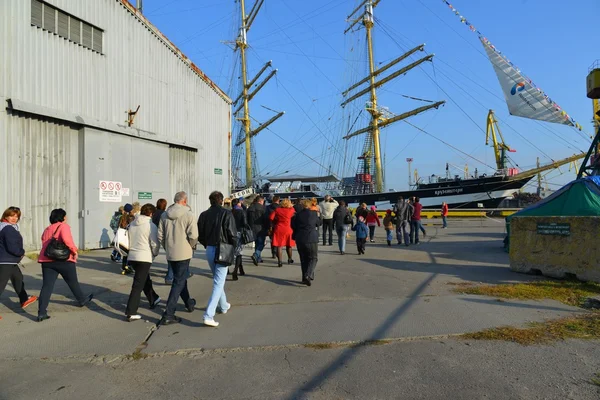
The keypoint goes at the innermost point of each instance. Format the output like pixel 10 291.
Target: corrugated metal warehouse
pixel 70 73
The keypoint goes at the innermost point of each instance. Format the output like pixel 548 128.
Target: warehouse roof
pixel 131 8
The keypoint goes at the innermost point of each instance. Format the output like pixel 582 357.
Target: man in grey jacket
pixel 178 235
pixel 404 212
pixel 328 206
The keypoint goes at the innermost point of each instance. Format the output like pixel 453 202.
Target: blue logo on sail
pixel 519 87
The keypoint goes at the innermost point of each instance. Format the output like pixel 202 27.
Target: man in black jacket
pixel 215 226
pixel 305 225
pixel 256 220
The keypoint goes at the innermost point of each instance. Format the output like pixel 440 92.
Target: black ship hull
pixel 486 192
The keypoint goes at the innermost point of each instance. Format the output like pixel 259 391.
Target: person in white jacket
pixel 143 248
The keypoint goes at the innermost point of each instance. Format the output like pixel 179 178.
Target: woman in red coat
pixel 282 229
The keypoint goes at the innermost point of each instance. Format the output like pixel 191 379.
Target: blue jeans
pixel 259 245
pixel 444 222
pixel 341 234
pixel 181 271
pixel 389 235
pixel 169 276
pixel 414 231
pixel 218 297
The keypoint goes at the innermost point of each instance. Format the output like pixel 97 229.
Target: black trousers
pixel 360 245
pixel 308 258
pixel 141 282
pixel 50 272
pixel 328 226
pixel 14 274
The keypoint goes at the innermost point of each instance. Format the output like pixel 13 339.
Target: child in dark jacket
pixel 362 232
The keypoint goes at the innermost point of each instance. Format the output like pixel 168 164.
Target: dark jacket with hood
pixel 216 225
pixel 339 215
pixel 11 244
pixel 239 216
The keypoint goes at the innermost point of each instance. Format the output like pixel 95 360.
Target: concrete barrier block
pixel 557 247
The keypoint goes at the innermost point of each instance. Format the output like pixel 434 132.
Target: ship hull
pixel 487 192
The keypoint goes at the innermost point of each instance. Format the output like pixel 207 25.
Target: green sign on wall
pixel 218 171
pixel 145 195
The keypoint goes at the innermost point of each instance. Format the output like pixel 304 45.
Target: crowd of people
pixel 223 230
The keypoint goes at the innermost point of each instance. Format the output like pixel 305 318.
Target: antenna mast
pixel 241 43
pixel 379 118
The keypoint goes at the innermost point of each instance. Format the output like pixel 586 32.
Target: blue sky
pixel 551 41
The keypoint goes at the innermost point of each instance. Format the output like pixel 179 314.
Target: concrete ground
pixel 378 326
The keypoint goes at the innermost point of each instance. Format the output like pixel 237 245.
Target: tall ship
pixel 467 189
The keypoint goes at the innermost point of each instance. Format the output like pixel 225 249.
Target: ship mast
pixel 241 43
pixel 379 119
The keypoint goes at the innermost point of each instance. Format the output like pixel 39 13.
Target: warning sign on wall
pixel 110 192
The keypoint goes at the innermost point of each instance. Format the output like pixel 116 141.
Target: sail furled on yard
pixel 523 97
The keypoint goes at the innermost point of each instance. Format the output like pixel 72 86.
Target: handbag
pixel 121 242
pixel 57 250
pixel 225 254
pixel 247 235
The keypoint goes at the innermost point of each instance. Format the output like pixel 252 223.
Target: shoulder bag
pixel 57 250
pixel 225 254
pixel 122 241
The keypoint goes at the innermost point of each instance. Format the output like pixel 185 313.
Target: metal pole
pixel 140 5
pixel 368 22
pixel 242 43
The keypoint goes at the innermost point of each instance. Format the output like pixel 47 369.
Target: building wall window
pixel 65 25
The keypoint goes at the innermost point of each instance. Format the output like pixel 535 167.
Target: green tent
pixel 578 198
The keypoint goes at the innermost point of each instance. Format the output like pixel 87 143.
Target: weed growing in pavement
pixel 573 293
pixel 585 326
pixel 596 380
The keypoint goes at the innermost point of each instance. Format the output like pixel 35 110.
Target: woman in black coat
pixel 305 226
pixel 241 222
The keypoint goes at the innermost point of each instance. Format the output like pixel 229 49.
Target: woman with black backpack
pixel 58 257
pixel 342 220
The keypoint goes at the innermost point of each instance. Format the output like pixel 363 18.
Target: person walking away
pixel 143 248
pixel 404 212
pixel 269 224
pixel 114 225
pixel 282 230
pixel 372 222
pixel 362 232
pixel 61 231
pixel 328 206
pixel 388 224
pixel 362 211
pixel 124 221
pixel 342 218
pixel 444 215
pixel 241 222
pixel 256 220
pixel 178 235
pixel 11 254
pixel 305 227
pixel 161 206
pixel 416 222
pixel 215 226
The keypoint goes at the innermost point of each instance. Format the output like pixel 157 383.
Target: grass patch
pixel 336 345
pixel 578 327
pixel 572 293
pixel 138 355
pixel 33 255
pixel 596 380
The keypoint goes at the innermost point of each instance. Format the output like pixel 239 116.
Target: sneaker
pixel 156 302
pixel 190 305
pixel 210 322
pixel 169 321
pixel 31 299
pixel 42 318
pixel 134 317
pixel 225 311
pixel 254 260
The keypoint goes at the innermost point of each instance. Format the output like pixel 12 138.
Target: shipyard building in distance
pixel 101 109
